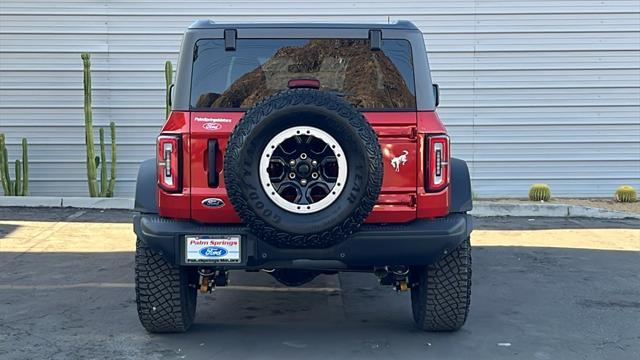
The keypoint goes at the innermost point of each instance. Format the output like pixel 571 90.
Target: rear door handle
pixel 212 152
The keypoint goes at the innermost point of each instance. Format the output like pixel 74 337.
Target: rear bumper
pixel 419 242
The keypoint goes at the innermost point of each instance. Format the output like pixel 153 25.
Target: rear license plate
pixel 219 249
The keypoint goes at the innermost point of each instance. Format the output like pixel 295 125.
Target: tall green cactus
pixel 4 168
pixel 103 165
pixel 88 125
pixel 25 167
pixel 105 187
pixel 107 181
pixel 168 79
pixel 112 179
pixel 19 187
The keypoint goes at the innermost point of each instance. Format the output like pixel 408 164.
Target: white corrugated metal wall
pixel 532 91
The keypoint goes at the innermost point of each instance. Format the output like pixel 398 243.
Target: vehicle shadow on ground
pixel 65 214
pixel 6 229
pixel 529 302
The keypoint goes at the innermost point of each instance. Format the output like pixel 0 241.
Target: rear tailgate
pixel 396 133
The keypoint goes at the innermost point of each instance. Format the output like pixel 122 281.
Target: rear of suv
pixel 303 149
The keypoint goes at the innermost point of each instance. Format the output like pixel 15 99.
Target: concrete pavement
pixel 542 289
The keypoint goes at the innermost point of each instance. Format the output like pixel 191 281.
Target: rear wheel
pixel 165 294
pixel 441 292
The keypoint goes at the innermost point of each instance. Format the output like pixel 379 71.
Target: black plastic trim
pixel 212 173
pixel 146 200
pixel 419 242
pixel 461 197
pixel 375 40
pixel 230 36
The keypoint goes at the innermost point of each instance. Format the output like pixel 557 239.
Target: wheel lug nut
pixel 314 163
pixel 292 175
pixel 303 181
pixel 303 156
pixel 314 175
pixel 292 162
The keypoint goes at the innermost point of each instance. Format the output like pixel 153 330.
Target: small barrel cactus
pixel 539 192
pixel 626 193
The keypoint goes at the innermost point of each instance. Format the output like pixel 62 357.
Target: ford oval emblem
pixel 213 202
pixel 213 251
pixel 212 126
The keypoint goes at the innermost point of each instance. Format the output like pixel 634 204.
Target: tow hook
pixel 395 276
pixel 210 278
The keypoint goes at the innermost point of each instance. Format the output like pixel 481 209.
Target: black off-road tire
pixel 165 293
pixel 441 292
pixel 303 107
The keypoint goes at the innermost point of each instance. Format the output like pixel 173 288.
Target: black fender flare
pixel 146 188
pixel 460 196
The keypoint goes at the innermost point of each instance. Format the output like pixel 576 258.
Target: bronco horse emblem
pixel 399 160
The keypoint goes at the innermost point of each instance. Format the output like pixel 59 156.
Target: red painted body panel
pixel 402 199
pixel 201 132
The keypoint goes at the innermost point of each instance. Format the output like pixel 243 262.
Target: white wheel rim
pixel 296 207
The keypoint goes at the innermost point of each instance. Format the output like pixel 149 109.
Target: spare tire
pixel 303 168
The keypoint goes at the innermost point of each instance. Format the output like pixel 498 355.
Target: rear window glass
pixel 261 67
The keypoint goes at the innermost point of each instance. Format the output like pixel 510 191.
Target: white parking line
pixel 131 285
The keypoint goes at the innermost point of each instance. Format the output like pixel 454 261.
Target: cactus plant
pixel 112 178
pixel 88 125
pixel 25 168
pixel 626 193
pixel 105 187
pixel 539 192
pixel 19 187
pixel 17 184
pixel 4 168
pixel 103 164
pixel 168 78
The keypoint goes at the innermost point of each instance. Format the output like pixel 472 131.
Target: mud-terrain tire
pixel 279 113
pixel 165 295
pixel 441 292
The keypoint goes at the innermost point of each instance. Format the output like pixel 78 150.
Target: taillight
pixel 437 162
pixel 169 163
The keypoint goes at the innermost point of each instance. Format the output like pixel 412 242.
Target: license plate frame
pixel 213 249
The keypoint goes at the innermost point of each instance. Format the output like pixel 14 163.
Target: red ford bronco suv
pixel 303 149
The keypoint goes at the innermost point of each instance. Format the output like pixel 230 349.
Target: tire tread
pixel 163 297
pixel 442 298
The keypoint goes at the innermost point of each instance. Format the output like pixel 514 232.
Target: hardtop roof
pixel 210 24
